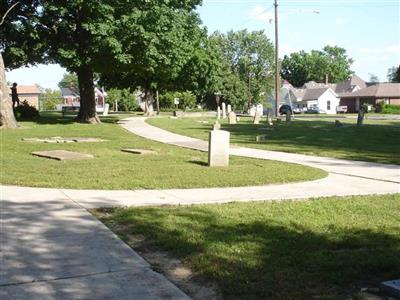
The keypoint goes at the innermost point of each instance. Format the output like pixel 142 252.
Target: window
pixel 328 105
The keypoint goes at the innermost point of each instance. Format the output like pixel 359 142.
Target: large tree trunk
pixel 87 111
pixel 7 118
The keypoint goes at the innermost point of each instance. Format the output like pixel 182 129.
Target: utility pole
pixel 276 60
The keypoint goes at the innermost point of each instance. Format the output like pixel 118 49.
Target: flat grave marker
pixel 139 151
pixel 62 155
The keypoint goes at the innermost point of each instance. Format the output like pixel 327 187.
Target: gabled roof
pixel 314 94
pixel 67 92
pixel 27 89
pixel 380 90
pixel 349 84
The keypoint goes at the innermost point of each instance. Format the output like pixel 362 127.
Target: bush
pixel 187 100
pixel 391 109
pixel 127 100
pixel 26 111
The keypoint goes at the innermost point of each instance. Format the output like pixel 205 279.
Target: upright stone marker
pixel 232 118
pixel 229 109
pixel 223 110
pixel 256 119
pixel 218 148
pixel 269 119
pixel 360 117
pixel 216 126
pixel 218 113
pixel 288 117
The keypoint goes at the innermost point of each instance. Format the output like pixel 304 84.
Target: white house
pixel 321 100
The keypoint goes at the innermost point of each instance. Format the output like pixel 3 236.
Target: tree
pixel 124 98
pixel 373 78
pixel 7 118
pixel 301 67
pixel 69 80
pixel 158 42
pixel 93 36
pixel 50 98
pixel 251 58
pixel 394 74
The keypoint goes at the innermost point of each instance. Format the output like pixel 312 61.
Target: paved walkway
pixel 52 248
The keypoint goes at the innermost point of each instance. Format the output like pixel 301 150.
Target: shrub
pixel 187 100
pixel 391 109
pixel 126 99
pixel 26 111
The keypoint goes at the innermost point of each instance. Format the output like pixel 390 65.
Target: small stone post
pixel 360 118
pixel 288 117
pixel 229 109
pixel 218 148
pixel 218 113
pixel 232 118
pixel 256 119
pixel 223 110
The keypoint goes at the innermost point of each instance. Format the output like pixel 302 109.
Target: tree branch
pixel 7 12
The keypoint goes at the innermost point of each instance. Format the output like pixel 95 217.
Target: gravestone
pixel 178 113
pixel 218 113
pixel 256 119
pixel 139 151
pixel 62 155
pixel 61 140
pixel 106 109
pixel 218 148
pixel 216 126
pixel 229 109
pixel 223 110
pixel 232 118
pixel 288 117
pixel 261 138
pixel 269 119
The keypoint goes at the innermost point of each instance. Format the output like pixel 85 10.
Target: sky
pixel 368 29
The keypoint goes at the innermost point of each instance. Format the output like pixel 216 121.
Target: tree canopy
pixel 394 74
pixel 301 67
pixel 96 36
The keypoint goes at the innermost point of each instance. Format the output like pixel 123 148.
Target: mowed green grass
pixel 318 249
pixel 172 167
pixel 376 141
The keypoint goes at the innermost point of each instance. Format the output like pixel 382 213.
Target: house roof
pixel 380 90
pixel 299 93
pixel 349 84
pixel 314 94
pixel 67 92
pixel 27 89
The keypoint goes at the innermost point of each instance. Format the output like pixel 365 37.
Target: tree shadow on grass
pixel 269 259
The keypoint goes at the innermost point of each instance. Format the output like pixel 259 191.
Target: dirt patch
pixel 175 270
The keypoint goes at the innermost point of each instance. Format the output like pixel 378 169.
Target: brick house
pixel 28 93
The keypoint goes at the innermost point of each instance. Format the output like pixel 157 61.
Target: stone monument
pixel 288 117
pixel 256 119
pixel 229 109
pixel 232 118
pixel 223 110
pixel 218 148
pixel 218 113
pixel 216 126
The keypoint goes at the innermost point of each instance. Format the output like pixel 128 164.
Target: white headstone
pixel 216 126
pixel 256 118
pixel 269 119
pixel 223 110
pixel 218 148
pixel 229 109
pixel 106 108
pixel 232 118
pixel 218 113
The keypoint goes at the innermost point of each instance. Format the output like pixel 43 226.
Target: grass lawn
pixel 172 167
pixel 377 141
pixel 318 249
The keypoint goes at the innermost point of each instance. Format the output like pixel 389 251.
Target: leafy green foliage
pixel 69 80
pixel 394 74
pixel 50 98
pixel 390 109
pixel 187 100
pixel 26 111
pixel 125 98
pixel 301 67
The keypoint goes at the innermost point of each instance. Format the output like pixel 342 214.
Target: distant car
pixel 299 110
pixel 284 109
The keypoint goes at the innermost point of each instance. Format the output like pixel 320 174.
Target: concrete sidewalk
pixel 52 248
pixel 381 172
